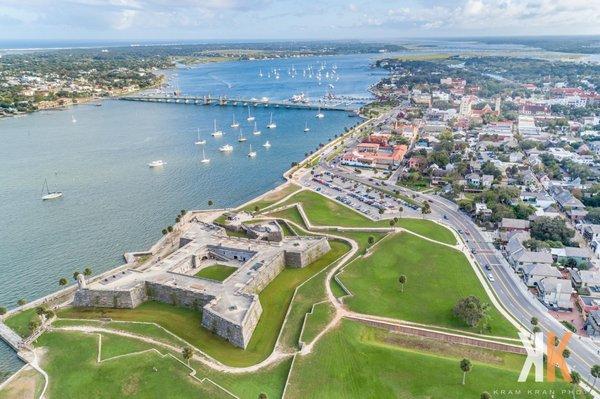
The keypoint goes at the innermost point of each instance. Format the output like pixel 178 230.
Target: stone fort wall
pixel 302 258
pixel 236 333
pixel 122 299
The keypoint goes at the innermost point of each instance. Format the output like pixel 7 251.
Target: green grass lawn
pixel 322 211
pixel 287 229
pixel 437 277
pixel 185 323
pixel 216 272
pixel 290 214
pixel 316 321
pixel 20 322
pixel 271 198
pixel 74 372
pixel 357 361
pixel 27 384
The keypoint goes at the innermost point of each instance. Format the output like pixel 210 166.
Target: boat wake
pixel 229 85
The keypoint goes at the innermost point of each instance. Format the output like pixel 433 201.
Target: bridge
pixel 225 101
pixel 10 337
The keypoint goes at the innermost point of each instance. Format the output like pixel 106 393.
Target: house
pixel 509 224
pixel 555 293
pixel 566 201
pixel 562 255
pixel 591 231
pixel 588 281
pixel 592 324
pixel 486 181
pixel 588 304
pixel 482 210
pixel 519 256
pixel 473 180
pixel 537 199
pixel 417 163
pixel 533 273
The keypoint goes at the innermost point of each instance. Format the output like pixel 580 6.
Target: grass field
pixel 28 384
pixel 356 361
pixel 216 272
pixel 271 198
pixel 437 277
pixel 322 211
pixel 185 323
pixel 20 322
pixel 70 362
pixel 322 314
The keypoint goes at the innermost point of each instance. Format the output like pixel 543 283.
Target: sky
pixel 129 20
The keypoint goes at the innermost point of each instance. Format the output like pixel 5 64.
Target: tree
pixel 256 209
pixel 187 354
pixel 21 302
pixel 465 366
pixel 566 353
pixel 164 231
pixel 371 240
pixel 75 274
pixel 62 281
pixel 3 310
pixel 33 325
pixel 595 370
pixel 210 203
pixel 87 272
pixel 402 281
pixel 170 229
pixel 262 395
pixel 425 208
pixel 485 395
pixel 471 310
pixel 575 380
pixel 534 321
pixel 546 228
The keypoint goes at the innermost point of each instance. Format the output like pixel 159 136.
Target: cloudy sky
pixel 292 19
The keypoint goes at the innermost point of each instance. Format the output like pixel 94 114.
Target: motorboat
pixel 157 164
pixel 226 148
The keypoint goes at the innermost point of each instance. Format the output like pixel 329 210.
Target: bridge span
pixel 241 102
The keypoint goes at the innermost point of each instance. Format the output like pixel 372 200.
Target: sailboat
pixel 267 144
pixel 306 128
pixel 157 164
pixel 251 154
pixel 216 133
pixel 226 148
pixel 73 119
pixel 250 118
pixel 255 132
pixel 319 114
pixel 204 159
pixel 50 195
pixel 234 124
pixel 271 124
pixel 199 142
pixel 260 73
pixel 241 139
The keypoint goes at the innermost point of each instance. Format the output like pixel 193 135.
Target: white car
pixel 490 277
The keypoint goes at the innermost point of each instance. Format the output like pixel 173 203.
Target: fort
pixel 230 308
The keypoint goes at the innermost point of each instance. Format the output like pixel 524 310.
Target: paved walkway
pixel 10 337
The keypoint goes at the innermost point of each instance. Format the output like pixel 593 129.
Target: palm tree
pixel 21 302
pixel 87 272
pixel 485 395
pixel 262 395
pixel 465 366
pixel 534 321
pixel 164 232
pixel 210 203
pixel 402 281
pixel 371 240
pixel 595 370
pixel 170 229
pixel 62 281
pixel 575 380
pixel 187 354
pixel 566 353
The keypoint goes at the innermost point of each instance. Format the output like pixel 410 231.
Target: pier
pixel 10 337
pixel 225 101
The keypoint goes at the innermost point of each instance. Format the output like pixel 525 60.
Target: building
pixel 375 155
pixel 592 324
pixel 588 281
pixel 562 255
pixel 509 224
pixel 533 273
pixel 230 308
pixel 527 127
pixel 555 293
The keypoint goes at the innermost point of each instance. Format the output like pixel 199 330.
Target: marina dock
pixel 225 101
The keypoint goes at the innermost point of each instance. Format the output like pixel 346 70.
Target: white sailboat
pixel 267 144
pixel 50 195
pixel 271 124
pixel 250 118
pixel 260 74
pixel 198 141
pixel 234 124
pixel 306 128
pixel 256 132
pixel 241 139
pixel 226 148
pixel 73 119
pixel 204 159
pixel 216 133
pixel 319 114
pixel 251 154
pixel 157 164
